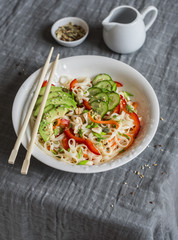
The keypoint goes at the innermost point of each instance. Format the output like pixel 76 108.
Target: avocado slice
pixel 52 89
pixel 45 128
pixel 51 95
pixel 48 108
pixel 58 101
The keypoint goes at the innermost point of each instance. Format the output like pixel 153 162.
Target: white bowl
pixel 64 21
pixel 81 66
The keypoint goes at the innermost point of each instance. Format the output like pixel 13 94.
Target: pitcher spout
pixel 107 23
pixel 107 26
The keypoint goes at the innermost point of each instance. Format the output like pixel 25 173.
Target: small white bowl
pixel 64 21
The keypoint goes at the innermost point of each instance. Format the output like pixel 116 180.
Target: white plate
pixel 81 66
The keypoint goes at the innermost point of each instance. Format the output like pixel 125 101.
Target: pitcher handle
pixel 153 17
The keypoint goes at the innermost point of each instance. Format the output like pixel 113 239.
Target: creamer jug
pixel 124 30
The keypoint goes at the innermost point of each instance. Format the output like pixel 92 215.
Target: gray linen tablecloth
pixel 118 204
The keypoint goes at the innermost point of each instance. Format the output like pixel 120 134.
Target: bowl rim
pixel 54 28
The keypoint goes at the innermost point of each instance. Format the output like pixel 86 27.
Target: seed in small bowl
pixel 70 32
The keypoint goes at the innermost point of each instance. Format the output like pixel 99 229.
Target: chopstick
pixel 15 150
pixel 26 162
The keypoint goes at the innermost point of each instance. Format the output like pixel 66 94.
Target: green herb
pixel 61 150
pixel 56 131
pixel 54 152
pixel 82 162
pixel 80 153
pixel 115 116
pixel 126 136
pixel 103 133
pixel 129 108
pixel 99 136
pixel 127 95
pixel 85 111
pixel 80 132
pixel 68 149
pixel 61 130
pixel 93 125
pixel 72 94
pixel 123 150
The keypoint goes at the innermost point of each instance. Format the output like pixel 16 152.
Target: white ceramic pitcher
pixel 124 30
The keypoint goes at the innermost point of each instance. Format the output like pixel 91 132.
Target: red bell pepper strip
pixel 65 143
pixel 45 84
pixel 118 84
pixel 91 147
pixel 86 104
pixel 87 142
pixel 71 135
pixel 136 120
pixel 72 84
pixel 133 116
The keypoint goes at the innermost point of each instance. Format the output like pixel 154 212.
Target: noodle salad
pixel 87 121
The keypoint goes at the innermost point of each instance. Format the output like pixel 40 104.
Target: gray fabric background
pixel 51 204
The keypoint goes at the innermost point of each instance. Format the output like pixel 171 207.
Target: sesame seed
pixel 138 173
pixel 162 119
pixel 141 176
pixel 155 164
pixel 125 183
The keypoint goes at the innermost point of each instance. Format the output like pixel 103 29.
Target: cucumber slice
pixel 114 100
pixel 100 97
pixel 105 85
pixel 101 77
pixel 114 85
pixel 100 107
pixel 93 91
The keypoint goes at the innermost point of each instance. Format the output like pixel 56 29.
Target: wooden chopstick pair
pixel 26 163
